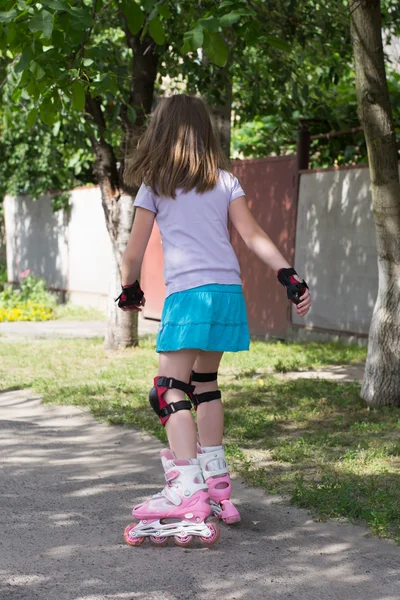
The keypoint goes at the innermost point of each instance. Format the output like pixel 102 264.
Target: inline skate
pixel 216 475
pixel 180 511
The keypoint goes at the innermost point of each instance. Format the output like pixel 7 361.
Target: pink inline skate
pixel 216 474
pixel 181 510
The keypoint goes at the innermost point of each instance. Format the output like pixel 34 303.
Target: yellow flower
pixel 26 312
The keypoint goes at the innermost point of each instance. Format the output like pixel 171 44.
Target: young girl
pixel 187 187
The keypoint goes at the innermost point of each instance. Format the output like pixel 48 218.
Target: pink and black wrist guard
pixel 131 296
pixel 294 289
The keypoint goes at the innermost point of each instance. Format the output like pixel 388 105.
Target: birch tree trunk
pixel 122 327
pixel 381 384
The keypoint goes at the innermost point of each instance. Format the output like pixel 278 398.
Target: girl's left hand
pixel 304 305
pixel 136 307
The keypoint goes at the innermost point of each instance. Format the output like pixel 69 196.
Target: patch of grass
pixel 72 312
pixel 315 441
pixel 290 356
pixel 372 499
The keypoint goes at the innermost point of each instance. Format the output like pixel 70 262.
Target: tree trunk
pixel 381 384
pixel 144 73
pixel 222 113
pixel 122 327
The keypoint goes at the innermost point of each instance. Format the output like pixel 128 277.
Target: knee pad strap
pixel 205 397
pixel 201 377
pixel 160 406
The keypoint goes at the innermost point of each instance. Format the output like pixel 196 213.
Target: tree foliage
pixel 56 54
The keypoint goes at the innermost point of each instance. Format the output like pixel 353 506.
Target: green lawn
pixel 315 441
pixel 72 312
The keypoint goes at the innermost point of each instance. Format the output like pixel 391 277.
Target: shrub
pixel 3 274
pixel 30 302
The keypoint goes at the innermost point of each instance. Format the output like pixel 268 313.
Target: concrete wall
pixel 36 240
pixel 335 249
pixel 70 249
pixel 89 249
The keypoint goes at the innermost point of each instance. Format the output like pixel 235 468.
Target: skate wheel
pixel 130 539
pixel 214 534
pixel 158 541
pixel 183 540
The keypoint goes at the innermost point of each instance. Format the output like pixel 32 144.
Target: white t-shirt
pixel 195 236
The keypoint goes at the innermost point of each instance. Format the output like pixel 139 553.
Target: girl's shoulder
pixel 226 177
pixel 231 185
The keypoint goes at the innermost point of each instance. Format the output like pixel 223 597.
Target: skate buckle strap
pixel 205 397
pixel 170 494
pixel 206 458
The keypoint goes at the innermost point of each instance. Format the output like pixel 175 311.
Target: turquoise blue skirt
pixel 210 317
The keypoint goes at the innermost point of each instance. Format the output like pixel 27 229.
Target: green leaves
pixel 156 31
pixel 131 112
pixel 133 14
pixel 216 49
pixel 234 16
pixel 212 43
pixel 193 40
pixel 7 16
pixel 277 43
pixel 42 21
pixel 48 112
pixel 78 96
pixel 31 118
pixel 26 57
pixel 59 5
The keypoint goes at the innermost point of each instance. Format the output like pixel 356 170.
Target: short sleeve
pixel 145 199
pixel 236 189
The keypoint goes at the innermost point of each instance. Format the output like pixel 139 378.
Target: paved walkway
pixel 65 329
pixel 67 484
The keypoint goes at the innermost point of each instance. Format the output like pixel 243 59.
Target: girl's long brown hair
pixel 179 149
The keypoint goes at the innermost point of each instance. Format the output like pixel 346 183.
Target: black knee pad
pixel 160 406
pixel 205 396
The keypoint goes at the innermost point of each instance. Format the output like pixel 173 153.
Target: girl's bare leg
pixel 180 427
pixel 210 415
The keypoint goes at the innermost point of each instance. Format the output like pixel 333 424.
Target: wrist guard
pixel 294 288
pixel 131 296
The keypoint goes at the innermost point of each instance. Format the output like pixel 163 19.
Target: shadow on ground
pixel 67 486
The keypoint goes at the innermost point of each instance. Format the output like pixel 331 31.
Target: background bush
pixel 29 302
